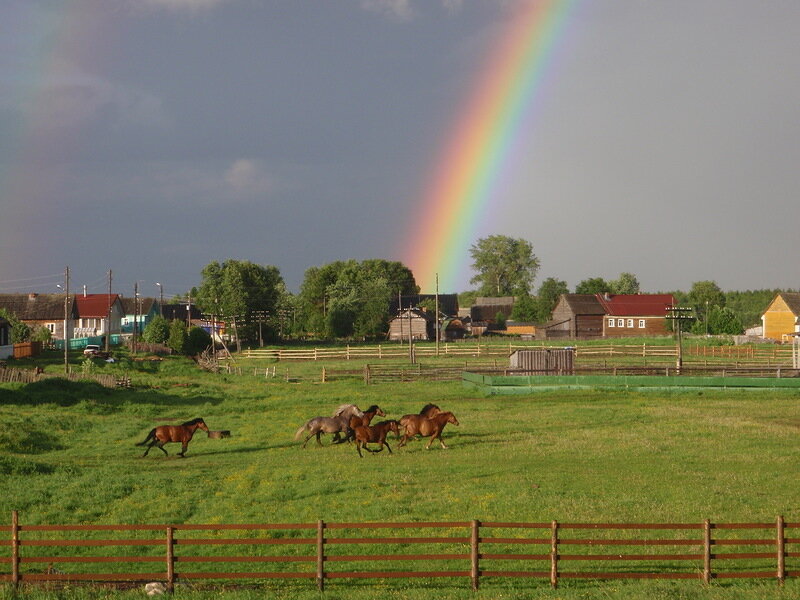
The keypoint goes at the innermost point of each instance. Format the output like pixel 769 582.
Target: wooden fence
pixel 9 375
pixel 473 550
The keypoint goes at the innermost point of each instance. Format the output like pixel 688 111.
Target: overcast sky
pixel 152 137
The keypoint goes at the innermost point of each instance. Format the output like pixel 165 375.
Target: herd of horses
pixel 348 423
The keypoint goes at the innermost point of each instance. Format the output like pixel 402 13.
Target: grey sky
pixel 154 136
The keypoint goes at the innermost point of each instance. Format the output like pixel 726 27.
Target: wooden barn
pixel 418 322
pixel 634 315
pixel 781 319
pixel 575 316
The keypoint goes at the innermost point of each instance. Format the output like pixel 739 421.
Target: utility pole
pixel 679 314
pixel 160 299
pixel 437 315
pixel 108 316
pixel 135 313
pixel 66 321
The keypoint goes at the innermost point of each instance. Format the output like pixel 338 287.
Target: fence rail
pixel 474 550
pixel 769 354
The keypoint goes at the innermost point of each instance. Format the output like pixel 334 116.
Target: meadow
pixel 68 455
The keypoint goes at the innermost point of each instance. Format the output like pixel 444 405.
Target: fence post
pixel 707 551
pixel 323 375
pixel 170 559
pixel 781 543
pixel 320 555
pixel 474 555
pixel 15 548
pixel 554 554
pixel 366 374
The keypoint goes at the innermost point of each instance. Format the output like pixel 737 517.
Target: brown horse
pixel 374 434
pixel 364 420
pixel 163 434
pixel 413 421
pixel 429 428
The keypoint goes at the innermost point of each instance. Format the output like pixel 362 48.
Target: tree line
pixel 350 299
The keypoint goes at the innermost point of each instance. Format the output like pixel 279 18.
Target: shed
pixel 419 322
pixel 544 361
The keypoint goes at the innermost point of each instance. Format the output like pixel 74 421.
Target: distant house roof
pixel 448 303
pixel 584 304
pixel 494 300
pixel 95 305
pixel 37 307
pixel 792 300
pixel 631 305
pixel 145 305
pixel 173 312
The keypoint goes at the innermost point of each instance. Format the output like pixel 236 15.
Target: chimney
pixel 84 290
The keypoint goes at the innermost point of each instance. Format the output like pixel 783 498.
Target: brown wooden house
pixel 781 319
pixel 42 310
pixel 575 316
pixel 634 315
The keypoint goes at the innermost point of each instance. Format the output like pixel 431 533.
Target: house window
pixel 630 323
pixel 51 327
pixel 641 323
pixel 611 322
pixel 620 322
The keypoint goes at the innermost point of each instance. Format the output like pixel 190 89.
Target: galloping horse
pixel 428 411
pixel 429 427
pixel 375 434
pixel 163 434
pixel 364 420
pixel 335 425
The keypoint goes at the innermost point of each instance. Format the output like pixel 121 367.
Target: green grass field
pixel 67 455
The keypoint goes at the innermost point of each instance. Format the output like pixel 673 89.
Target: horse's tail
pixel 149 437
pixel 300 432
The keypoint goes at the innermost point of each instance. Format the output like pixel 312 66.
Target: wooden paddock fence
pixel 470 550
pixel 772 354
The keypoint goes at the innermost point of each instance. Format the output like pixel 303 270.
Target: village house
pixel 781 319
pixel 635 315
pixel 97 315
pixel 421 324
pixel 139 311
pixel 43 310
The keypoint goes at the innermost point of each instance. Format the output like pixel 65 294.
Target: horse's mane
pixel 194 421
pixel 373 408
pixel 427 407
pixel 357 412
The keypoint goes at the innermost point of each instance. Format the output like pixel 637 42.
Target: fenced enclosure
pixel 467 550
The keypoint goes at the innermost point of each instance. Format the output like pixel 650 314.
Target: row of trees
pixel 345 299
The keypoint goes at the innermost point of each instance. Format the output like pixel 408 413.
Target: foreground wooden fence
pixel 473 550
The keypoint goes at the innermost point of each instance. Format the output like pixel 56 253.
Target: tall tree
pixel 549 293
pixel 240 288
pixel 346 298
pixel 593 285
pixel 704 296
pixel 505 266
pixel 626 283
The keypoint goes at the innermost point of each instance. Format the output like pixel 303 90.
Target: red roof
pixel 94 305
pixel 636 305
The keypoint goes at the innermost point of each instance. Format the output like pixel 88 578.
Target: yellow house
pixel 782 316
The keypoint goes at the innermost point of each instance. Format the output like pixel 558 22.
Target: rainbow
pixel 482 137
